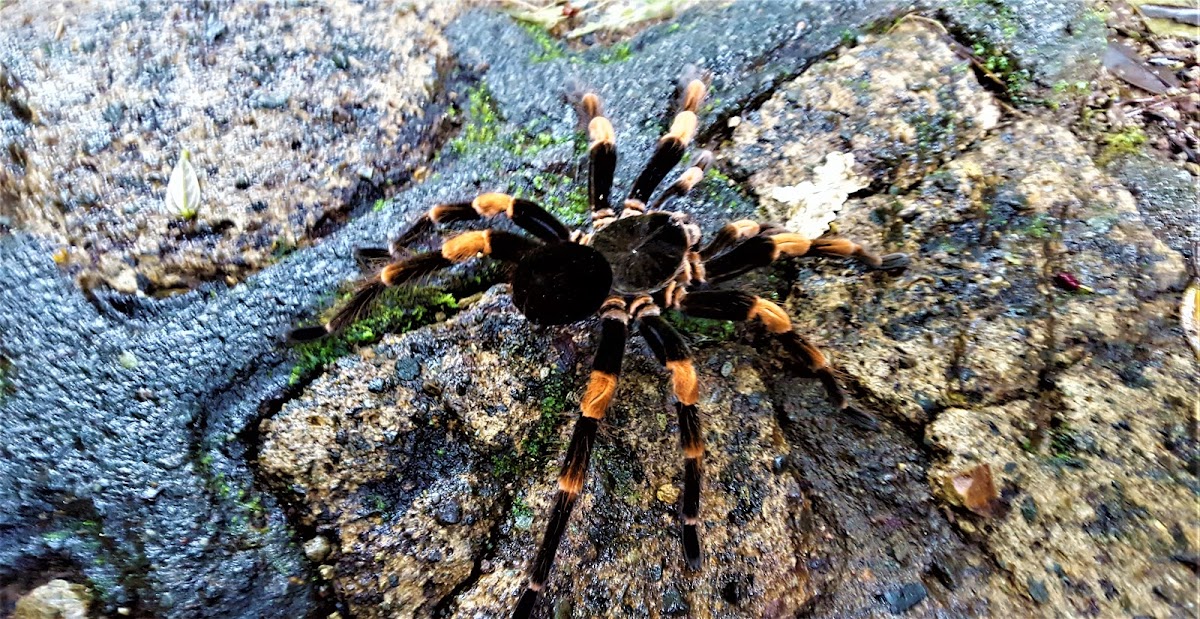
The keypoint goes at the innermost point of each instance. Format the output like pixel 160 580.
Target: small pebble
pixel 667 493
pixel 317 549
pixel 673 603
pixel 407 368
pixel 905 597
pixel 449 512
pixel 1037 591
pixel 376 386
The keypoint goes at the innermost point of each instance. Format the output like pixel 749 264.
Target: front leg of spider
pixel 602 384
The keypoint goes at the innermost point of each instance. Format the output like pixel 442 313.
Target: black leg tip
pixel 860 418
pixel 691 548
pixel 525 606
pixel 894 262
pixel 307 334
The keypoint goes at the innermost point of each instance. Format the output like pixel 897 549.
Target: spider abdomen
pixel 644 251
pixel 559 283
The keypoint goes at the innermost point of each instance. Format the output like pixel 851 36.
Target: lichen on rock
pixel 57 599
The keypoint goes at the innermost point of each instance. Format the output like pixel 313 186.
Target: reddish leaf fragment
pixel 1066 281
pixel 976 490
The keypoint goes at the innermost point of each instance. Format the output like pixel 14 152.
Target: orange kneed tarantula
pixel 636 260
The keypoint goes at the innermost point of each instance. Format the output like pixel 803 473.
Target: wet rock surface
pixel 900 105
pixel 499 463
pixel 57 599
pixel 293 116
pixel 1066 395
pixel 158 450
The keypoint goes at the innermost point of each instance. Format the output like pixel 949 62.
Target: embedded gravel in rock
pixel 382 471
pixel 1075 398
pixel 377 469
pixel 292 115
pixel 900 104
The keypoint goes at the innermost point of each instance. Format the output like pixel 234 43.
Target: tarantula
pixel 635 261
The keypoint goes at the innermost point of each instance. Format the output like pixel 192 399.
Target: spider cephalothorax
pixel 625 269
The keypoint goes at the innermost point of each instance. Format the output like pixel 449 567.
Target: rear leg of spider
pixel 738 305
pixel 495 243
pixel 671 350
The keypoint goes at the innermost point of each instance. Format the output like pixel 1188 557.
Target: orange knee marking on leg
pixel 744 228
pixel 690 177
pixel 683 380
pixel 492 204
pixel 468 245
pixel 694 450
pixel 590 104
pixel 598 395
pixel 790 244
pixel 841 247
pixel 388 274
pixel 693 95
pixel 601 131
pixel 772 316
pixel 683 127
pixel 818 358
pixel 571 481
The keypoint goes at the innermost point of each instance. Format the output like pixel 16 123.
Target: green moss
pixel 1039 226
pixel 379 205
pixel 483 128
pixel 57 536
pixel 397 310
pixel 1064 447
pixel 542 440
pixel 482 123
pixel 521 509
pixel 1128 141
pixel 997 60
pixel 702 330
pixel 559 194
pixel 548 47
pixel 617 53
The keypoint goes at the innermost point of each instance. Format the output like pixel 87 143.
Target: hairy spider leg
pixel 735 232
pixel 602 154
pixel 738 305
pixel 476 243
pixel 762 250
pixel 671 351
pixel 690 177
pixel 671 146
pixel 526 214
pixel 602 384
